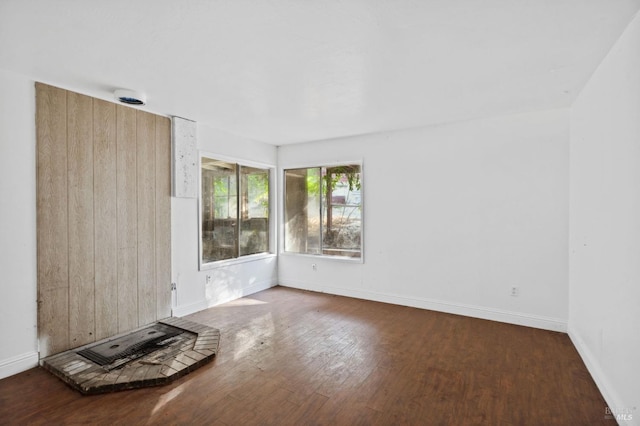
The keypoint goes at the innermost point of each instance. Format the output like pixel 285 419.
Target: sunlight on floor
pixel 166 398
pixel 245 301
pixel 248 337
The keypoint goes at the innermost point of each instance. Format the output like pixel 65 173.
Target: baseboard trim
pixel 518 318
pixel 18 364
pixel 200 305
pixel 612 399
pixel 182 310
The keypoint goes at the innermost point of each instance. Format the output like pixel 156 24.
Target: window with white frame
pixel 234 213
pixel 323 210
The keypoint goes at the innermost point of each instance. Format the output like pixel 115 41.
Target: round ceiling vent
pixel 130 97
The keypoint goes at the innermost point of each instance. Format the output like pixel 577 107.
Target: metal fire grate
pixel 117 352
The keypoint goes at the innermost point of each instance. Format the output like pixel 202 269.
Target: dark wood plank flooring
pixel 289 357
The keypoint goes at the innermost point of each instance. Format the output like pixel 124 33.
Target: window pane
pixel 342 211
pixel 323 211
pixel 302 211
pixel 254 222
pixel 219 210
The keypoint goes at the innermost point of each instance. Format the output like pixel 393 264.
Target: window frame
pixel 282 232
pixel 272 220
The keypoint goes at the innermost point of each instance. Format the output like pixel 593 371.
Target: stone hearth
pixel 181 352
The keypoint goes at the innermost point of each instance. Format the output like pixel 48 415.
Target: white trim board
pixel 184 158
pixel 517 318
pixel 599 377
pixel 183 310
pixel 18 364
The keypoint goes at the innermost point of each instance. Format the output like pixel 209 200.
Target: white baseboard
pixel 612 399
pixel 518 318
pixel 182 310
pixel 200 305
pixel 18 364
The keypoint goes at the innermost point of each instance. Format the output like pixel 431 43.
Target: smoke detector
pixel 130 97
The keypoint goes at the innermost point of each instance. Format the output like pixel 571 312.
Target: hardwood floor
pixel 290 357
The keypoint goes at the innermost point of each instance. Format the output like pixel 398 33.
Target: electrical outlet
pixel 314 267
pixel 515 291
pixel 208 279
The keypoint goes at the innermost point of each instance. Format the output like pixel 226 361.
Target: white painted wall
pixel 604 304
pixel 18 350
pixel 486 208
pixel 232 280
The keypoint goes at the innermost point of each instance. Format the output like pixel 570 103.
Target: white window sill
pixel 325 257
pixel 237 261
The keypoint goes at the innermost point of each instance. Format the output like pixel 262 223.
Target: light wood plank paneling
pixel 106 254
pixel 52 219
pixel 127 213
pixel 81 225
pixel 163 217
pixel 53 320
pixel 146 131
pixel 104 218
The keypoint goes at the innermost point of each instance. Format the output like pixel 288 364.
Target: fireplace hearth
pixel 154 355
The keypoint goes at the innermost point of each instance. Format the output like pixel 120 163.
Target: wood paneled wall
pixel 104 224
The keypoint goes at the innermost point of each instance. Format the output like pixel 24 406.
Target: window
pixel 323 211
pixel 234 210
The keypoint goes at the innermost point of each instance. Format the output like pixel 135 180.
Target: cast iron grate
pixel 117 352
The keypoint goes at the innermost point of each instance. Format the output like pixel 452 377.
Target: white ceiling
pixel 285 71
